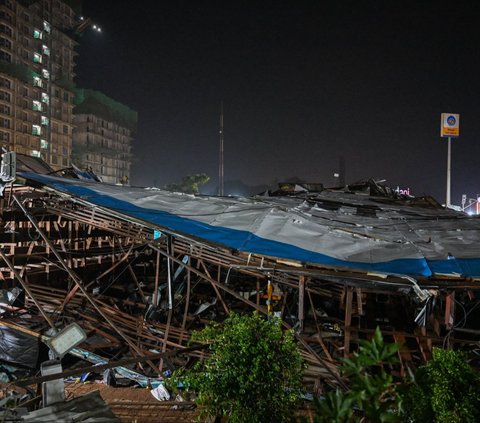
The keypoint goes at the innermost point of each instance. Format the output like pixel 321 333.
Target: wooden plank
pixel 348 319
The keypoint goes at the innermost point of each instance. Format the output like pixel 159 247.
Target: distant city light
pixel 81 18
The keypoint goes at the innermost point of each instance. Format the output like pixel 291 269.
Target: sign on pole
pixel 450 125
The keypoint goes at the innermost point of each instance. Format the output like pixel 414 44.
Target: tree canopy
pixel 253 374
pixel 190 184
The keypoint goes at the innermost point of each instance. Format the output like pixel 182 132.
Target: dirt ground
pixel 109 393
pixel 136 405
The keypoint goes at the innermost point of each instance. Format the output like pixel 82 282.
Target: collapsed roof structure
pixel 138 269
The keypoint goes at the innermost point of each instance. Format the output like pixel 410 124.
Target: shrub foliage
pixel 253 373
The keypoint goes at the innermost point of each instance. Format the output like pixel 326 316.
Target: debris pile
pixel 138 270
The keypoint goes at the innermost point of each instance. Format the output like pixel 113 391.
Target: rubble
pixel 138 270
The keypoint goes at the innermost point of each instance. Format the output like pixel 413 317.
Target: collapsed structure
pixel 138 269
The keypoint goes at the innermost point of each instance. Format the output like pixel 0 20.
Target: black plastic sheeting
pixel 19 348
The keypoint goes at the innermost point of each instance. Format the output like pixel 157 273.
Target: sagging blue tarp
pixel 394 239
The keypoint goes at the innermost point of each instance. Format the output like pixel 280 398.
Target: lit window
pixel 44 120
pixel 46 26
pixel 37 106
pixel 37 34
pixel 45 73
pixel 43 144
pixel 37 58
pixel 36 130
pixel 35 153
pixel 45 50
pixel 37 82
pixel 45 98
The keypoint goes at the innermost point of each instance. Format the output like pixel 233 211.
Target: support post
pixel 187 299
pixel 450 310
pixel 449 171
pixel 157 271
pixel 348 319
pixel 301 302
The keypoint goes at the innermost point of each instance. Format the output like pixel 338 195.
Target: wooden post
pixel 359 301
pixel 348 319
pixel 258 291
pixel 301 302
pixel 450 310
pixel 450 318
pixel 187 298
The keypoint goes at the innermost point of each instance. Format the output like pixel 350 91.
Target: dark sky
pixel 303 83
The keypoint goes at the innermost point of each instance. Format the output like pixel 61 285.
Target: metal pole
pixel 169 272
pixel 449 171
pixel 220 158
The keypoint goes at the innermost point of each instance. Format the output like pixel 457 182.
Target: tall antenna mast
pixel 220 156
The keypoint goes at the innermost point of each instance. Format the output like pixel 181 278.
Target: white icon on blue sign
pixel 451 121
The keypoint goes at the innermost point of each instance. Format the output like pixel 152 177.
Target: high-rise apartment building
pixel 36 78
pixel 103 135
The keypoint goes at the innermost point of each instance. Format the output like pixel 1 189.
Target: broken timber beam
pixel 78 282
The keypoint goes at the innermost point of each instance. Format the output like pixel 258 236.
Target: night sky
pixel 303 83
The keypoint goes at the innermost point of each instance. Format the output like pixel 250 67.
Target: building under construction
pixel 139 269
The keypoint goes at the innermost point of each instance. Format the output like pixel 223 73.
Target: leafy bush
pixel 253 374
pixel 445 390
pixel 372 390
pixel 337 407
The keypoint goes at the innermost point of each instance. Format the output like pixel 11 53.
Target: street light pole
pixel 449 172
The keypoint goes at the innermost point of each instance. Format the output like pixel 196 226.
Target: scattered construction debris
pixel 139 269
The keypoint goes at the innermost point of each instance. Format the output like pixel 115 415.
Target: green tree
pixel 253 373
pixel 445 390
pixel 190 184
